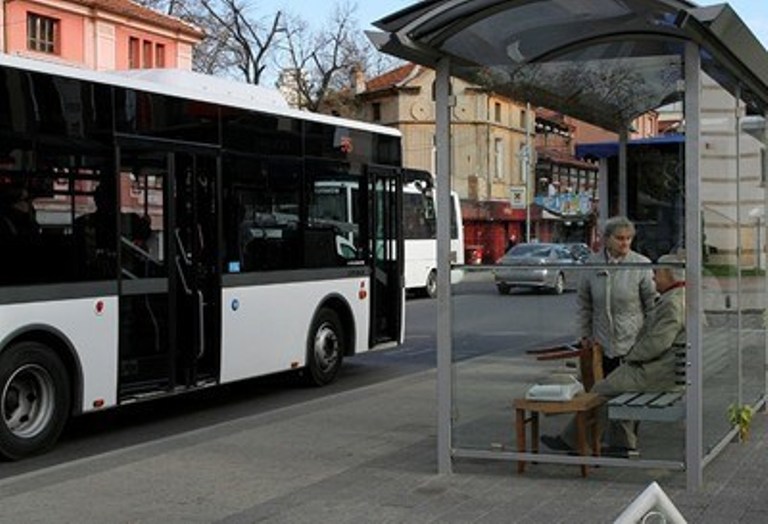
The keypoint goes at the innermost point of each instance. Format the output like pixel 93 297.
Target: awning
pixel 611 149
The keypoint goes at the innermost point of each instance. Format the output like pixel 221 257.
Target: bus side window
pixel 320 248
pixel 19 236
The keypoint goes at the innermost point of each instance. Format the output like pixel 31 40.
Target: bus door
pixel 169 320
pixel 195 275
pixel 386 254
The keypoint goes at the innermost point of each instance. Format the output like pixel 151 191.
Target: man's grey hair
pixel 617 223
pixel 678 271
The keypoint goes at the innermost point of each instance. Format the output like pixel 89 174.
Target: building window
pixel 497 112
pixel 146 54
pixel 160 55
pixel 42 33
pixel 377 112
pixel 134 54
pixel 523 119
pixel 498 151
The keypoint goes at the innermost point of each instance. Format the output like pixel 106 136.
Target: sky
pixel 753 12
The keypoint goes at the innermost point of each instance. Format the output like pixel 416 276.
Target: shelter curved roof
pixel 604 61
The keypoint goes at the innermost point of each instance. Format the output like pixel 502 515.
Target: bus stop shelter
pixel 607 62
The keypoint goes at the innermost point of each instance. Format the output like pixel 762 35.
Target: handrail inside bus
pixel 145 254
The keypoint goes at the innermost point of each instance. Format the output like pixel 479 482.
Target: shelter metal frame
pixel 422 32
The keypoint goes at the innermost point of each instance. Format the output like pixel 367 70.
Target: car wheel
pixel 559 286
pixel 431 287
pixel 325 348
pixel 34 399
pixel 503 289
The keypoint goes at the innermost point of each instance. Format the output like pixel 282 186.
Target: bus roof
pixel 193 86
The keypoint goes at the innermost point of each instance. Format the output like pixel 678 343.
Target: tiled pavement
pixel 362 456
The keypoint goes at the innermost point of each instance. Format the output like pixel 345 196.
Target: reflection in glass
pixel 720 189
pixel 496 340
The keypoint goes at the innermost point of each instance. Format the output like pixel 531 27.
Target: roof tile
pixel 136 11
pixel 390 79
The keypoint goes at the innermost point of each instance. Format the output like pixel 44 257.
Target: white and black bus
pixel 420 233
pixel 158 235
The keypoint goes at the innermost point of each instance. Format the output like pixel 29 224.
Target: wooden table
pixel 583 406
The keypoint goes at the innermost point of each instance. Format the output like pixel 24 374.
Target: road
pixel 484 322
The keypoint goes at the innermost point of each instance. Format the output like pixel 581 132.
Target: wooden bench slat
pixel 643 399
pixel 666 400
pixel 622 399
pixel 665 406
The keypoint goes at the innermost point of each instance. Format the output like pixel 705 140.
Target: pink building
pixel 97 34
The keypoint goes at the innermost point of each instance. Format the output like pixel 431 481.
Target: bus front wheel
pixel 34 399
pixel 325 348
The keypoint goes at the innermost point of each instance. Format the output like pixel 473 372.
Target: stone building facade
pixel 504 153
pixel 96 34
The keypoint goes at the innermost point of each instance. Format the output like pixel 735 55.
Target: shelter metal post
pixel 444 320
pixel 693 263
pixel 761 226
pixel 623 138
pixel 528 173
pixel 602 192
pixel 739 249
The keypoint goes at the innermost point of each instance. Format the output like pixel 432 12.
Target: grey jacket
pixel 612 304
pixel 650 364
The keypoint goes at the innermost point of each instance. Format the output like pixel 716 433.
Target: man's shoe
pixel 556 443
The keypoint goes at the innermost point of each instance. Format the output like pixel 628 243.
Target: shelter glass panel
pixel 752 289
pixel 506 317
pixel 720 204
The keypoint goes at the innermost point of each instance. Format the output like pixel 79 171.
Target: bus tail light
pixel 362 294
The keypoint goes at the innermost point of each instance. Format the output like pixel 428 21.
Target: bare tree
pixel 320 65
pixel 248 42
pixel 235 39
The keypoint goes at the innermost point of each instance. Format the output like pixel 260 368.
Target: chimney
pixel 358 76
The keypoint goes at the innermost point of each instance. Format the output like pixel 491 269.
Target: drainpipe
pixel 488 134
pixel 4 34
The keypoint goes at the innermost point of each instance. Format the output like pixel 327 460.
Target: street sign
pixel 517 197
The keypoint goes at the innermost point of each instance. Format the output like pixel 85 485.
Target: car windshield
pixel 529 250
pixel 579 250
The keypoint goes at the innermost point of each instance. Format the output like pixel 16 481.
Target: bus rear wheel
pixel 559 286
pixel 325 349
pixel 34 399
pixel 431 287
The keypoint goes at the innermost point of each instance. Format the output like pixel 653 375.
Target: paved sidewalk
pixel 364 456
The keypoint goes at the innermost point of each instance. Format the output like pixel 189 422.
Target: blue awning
pixel 611 149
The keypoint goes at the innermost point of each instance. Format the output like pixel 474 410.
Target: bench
pixel 659 406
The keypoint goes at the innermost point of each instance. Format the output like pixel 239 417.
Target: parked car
pixel 580 250
pixel 541 266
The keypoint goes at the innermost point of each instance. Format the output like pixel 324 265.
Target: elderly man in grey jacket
pixel 649 365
